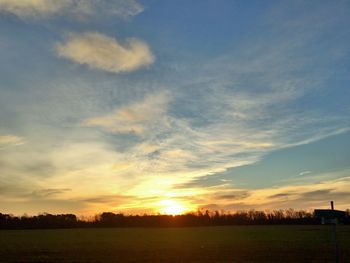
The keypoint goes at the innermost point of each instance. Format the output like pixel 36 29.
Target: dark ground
pixel 198 244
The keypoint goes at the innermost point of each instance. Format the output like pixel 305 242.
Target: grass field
pixel 201 244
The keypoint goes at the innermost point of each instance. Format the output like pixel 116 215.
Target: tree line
pixel 199 218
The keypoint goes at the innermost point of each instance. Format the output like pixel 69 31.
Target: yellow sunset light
pixel 171 207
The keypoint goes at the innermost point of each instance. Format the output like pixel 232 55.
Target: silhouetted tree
pixel 206 218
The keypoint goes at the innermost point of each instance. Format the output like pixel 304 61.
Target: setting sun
pixel 171 207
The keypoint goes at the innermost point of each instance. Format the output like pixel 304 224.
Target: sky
pixel 161 106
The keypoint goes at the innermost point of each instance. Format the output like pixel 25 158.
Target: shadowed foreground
pixel 201 244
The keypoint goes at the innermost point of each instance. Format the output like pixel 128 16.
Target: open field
pixel 201 244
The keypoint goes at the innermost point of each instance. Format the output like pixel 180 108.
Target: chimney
pixel 332 205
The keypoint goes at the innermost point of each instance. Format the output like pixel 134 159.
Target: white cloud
pixel 106 53
pixel 134 118
pixel 32 8
pixel 39 9
pixel 6 140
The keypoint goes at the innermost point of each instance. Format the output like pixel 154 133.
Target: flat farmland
pixel 197 244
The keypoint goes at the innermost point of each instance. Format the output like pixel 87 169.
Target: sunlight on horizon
pixel 172 207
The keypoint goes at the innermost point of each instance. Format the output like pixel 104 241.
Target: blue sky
pixel 131 105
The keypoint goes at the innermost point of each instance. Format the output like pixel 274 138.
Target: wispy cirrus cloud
pixel 7 140
pixel 304 173
pixel 44 193
pixel 307 196
pixel 137 117
pixel 102 52
pixel 41 9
